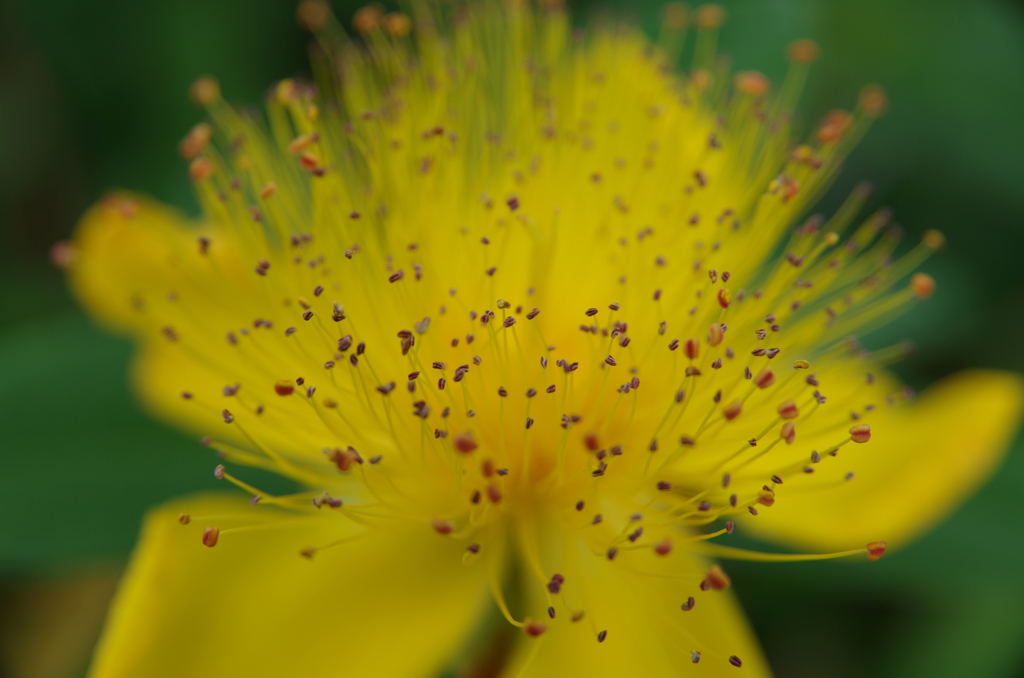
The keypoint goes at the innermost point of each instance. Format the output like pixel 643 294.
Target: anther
pixel 228 417
pixel 717 579
pixel 803 51
pixel 724 298
pixel 444 527
pixel 735 661
pixel 694 656
pixel 664 485
pixel 534 628
pixel 663 547
pixel 860 433
pixel 688 605
pixel 730 527
pixel 876 550
pixel 764 378
pixel 184 519
pixel 210 536
pixel 732 410
pixel 923 285
pixel 601 636
pixel 933 239
pixel 872 100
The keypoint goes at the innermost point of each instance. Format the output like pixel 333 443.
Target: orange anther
pixel 313 14
pixel 922 284
pixel 933 240
pixel 464 442
pixel 834 126
pixel 398 24
pixel 692 348
pixel 196 141
pixel 285 91
pixel 184 519
pixel 861 433
pixel 494 493
pixel 443 526
pixel 205 91
pixel 268 190
pixel 788 432
pixel 284 387
pixel 789 410
pixel 62 254
pixel 200 169
pixel 210 536
pixel 766 497
pixel 366 19
pixel 872 100
pixel 876 550
pixel 803 51
pixel 717 579
pixel 724 298
pixel 751 83
pixel 764 378
pixel 534 628
pixel 732 410
pixel 344 459
pixel 801 365
pixel 591 442
pixel 299 143
pixel 709 16
pixel 663 547
pixel 715 335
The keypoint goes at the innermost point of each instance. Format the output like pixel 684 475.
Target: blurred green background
pixel 92 96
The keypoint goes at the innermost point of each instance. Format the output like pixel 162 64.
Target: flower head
pixel 526 303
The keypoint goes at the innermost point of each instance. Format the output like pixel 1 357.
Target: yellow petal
pixel 637 599
pixel 922 461
pixel 386 604
pixel 126 249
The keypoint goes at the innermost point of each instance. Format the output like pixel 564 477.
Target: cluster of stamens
pixel 565 312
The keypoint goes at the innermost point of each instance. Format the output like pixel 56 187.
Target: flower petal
pixel 637 598
pixel 923 460
pixel 251 606
pixel 126 249
pixel 183 291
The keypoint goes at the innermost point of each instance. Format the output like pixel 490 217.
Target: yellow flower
pixel 530 319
